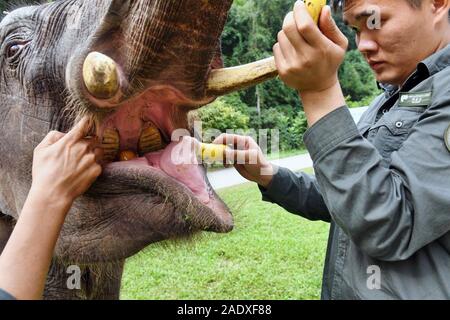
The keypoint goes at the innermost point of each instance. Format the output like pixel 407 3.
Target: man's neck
pixel 445 39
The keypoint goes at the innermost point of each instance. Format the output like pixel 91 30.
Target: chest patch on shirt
pixel 447 138
pixel 415 99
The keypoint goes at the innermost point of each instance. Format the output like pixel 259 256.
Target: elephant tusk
pixel 224 81
pixel 227 80
pixel 100 75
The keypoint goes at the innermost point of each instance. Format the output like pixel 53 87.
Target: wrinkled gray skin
pixel 156 42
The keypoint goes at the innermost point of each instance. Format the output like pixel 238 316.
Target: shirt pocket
pixel 391 131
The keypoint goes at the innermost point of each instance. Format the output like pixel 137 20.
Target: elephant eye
pixel 14 49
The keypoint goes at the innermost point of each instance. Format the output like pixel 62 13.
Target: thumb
pixel 79 131
pixel 330 29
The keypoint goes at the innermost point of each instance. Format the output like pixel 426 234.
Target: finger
pixel 86 162
pixel 82 149
pixel 99 153
pixel 95 171
pixel 287 49
pixel 330 29
pixel 51 138
pixel 243 172
pixel 280 60
pixel 306 26
pixel 291 33
pixel 89 177
pixel 220 139
pixel 95 141
pixel 231 139
pixel 244 157
pixel 79 131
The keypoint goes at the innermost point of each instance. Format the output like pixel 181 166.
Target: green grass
pixel 271 254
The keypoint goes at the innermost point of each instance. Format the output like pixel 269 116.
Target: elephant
pixel 138 69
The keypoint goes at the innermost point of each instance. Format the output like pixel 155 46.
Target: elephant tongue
pixel 179 161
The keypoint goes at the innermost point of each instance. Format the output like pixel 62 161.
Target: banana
pixel 127 156
pixel 212 153
pixel 314 8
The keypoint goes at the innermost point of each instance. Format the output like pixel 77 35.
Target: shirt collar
pixel 437 61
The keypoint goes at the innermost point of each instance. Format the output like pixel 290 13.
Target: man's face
pixel 393 36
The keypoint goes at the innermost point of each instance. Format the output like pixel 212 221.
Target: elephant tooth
pixel 110 144
pixel 150 140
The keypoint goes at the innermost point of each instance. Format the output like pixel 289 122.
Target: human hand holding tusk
pixel 227 80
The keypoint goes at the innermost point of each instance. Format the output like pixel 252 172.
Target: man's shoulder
pixel 440 84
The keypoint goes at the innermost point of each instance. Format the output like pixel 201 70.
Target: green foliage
pixel 223 116
pixel 249 35
pixel 296 131
pixel 356 77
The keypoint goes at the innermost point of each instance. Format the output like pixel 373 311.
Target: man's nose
pixel 366 44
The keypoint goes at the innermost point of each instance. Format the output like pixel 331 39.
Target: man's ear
pixel 441 9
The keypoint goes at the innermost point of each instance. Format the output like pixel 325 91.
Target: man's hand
pixel 248 158
pixel 66 165
pixel 308 58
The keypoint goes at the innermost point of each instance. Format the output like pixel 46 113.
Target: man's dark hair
pixel 342 3
pixel 413 3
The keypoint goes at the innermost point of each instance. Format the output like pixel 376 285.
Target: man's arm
pixel 297 193
pixel 390 213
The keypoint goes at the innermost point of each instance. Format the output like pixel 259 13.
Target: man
pixel 384 184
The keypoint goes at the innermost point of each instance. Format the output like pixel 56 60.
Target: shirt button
pixel 399 124
pixel 385 111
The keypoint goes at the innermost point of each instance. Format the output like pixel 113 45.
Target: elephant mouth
pixel 143 148
pixel 140 134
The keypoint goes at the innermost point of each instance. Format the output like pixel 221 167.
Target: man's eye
pixel 14 49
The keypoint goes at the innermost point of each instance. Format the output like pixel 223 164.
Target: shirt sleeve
pixel 298 194
pixel 5 295
pixel 389 213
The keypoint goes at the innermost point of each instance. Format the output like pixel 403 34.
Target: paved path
pixel 230 177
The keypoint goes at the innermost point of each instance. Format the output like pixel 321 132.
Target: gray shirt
pixel 5 295
pixel 384 185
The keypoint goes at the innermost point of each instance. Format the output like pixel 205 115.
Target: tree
pixel 357 79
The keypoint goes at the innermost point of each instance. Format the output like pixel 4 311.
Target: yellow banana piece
pixel 314 8
pixel 213 153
